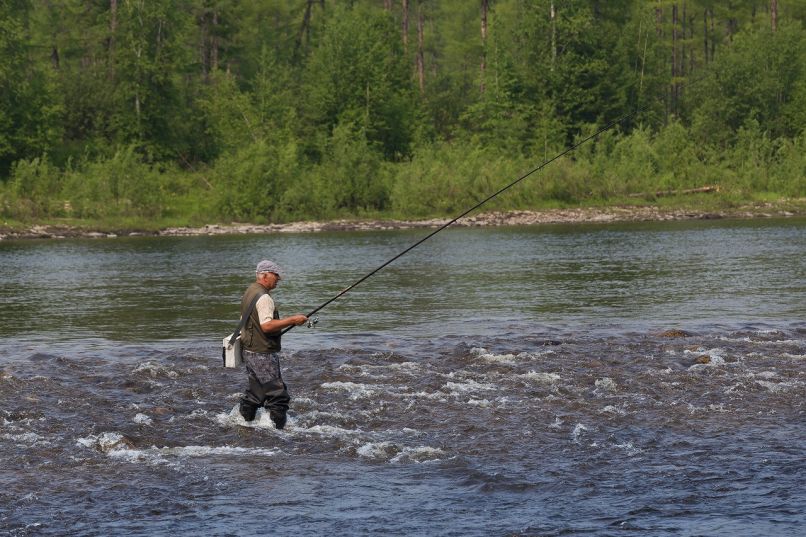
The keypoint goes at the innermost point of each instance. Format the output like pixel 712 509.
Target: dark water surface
pixel 506 381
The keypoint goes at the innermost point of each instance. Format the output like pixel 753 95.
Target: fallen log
pixel 660 193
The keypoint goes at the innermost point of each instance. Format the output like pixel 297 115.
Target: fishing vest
pixel 253 338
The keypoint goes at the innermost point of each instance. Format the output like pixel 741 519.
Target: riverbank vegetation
pixel 137 113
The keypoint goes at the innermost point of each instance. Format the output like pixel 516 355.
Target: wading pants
pixel 266 388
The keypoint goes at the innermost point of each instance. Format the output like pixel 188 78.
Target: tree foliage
pixel 270 110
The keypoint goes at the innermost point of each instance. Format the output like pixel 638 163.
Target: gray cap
pixel 269 266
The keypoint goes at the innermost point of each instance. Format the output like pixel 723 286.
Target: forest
pixel 156 112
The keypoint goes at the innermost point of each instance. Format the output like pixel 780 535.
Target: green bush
pixel 250 182
pixel 347 181
pixel 121 185
pixel 34 189
pixel 437 181
pixel 633 168
pixel 787 170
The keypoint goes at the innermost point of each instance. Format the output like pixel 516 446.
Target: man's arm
pixel 275 325
pixel 265 309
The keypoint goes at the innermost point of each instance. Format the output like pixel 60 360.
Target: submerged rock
pixel 106 442
pixel 675 333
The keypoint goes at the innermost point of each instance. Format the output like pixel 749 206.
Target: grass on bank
pixel 264 183
pixel 717 203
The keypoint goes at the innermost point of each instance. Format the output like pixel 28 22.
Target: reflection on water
pixel 516 381
pixel 143 289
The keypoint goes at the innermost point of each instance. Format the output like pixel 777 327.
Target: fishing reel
pixel 312 321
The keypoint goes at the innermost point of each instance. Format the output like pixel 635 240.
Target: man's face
pixel 268 279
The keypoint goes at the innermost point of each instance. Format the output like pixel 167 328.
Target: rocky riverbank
pixel 509 218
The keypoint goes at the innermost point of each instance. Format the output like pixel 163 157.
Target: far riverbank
pixel 788 208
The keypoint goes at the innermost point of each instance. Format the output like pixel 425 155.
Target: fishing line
pixel 482 202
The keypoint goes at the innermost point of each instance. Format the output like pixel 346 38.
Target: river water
pixel 554 380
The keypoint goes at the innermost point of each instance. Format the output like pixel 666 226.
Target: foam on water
pixel 380 371
pixel 205 451
pixel 556 424
pixel 508 358
pixel 490 357
pixel 778 387
pixel 293 428
pixel 356 391
pixel 615 410
pixel 541 378
pixel 377 450
pixel 155 370
pixel 579 431
pixel 394 453
pixel 28 439
pixel 318 415
pixel 329 431
pixel 462 388
pixel 116 446
pixel 436 396
pixel 419 454
pixel 233 418
pixel 104 442
pixel 605 384
pixel 629 449
pixel 142 419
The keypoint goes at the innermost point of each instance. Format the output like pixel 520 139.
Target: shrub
pixel 34 189
pixel 121 185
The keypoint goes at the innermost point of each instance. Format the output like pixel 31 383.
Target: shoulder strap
pixel 245 316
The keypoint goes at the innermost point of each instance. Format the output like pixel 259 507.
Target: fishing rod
pixel 313 320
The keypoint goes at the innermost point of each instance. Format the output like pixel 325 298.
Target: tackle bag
pixel 231 345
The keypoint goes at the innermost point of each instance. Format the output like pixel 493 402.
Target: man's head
pixel 268 273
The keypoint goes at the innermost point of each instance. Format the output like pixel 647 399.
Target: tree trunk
pixel 682 65
pixel 659 33
pixel 643 60
pixel 733 27
pixel 713 35
pixel 420 48
pixel 553 15
pixel 705 34
pixel 305 28
pixel 406 26
pixel 692 56
pixel 774 15
pixel 674 58
pixel 214 44
pixel 659 19
pixel 110 42
pixel 485 6
pixel 113 22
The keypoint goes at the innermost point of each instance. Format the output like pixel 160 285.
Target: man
pixel 260 341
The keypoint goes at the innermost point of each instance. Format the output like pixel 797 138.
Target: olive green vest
pixel 252 337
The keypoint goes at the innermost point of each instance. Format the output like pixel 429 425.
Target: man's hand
pixel 297 320
pixel 275 325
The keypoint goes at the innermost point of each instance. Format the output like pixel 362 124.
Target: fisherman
pixel 260 341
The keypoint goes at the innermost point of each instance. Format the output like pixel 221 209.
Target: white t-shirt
pixel 265 308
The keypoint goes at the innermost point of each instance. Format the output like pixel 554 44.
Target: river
pixel 551 380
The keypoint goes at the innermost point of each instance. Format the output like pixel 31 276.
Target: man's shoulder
pixel 265 299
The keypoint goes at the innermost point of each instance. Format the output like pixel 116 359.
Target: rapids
pixel 592 380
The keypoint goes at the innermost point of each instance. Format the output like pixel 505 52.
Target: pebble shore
pixel 508 218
